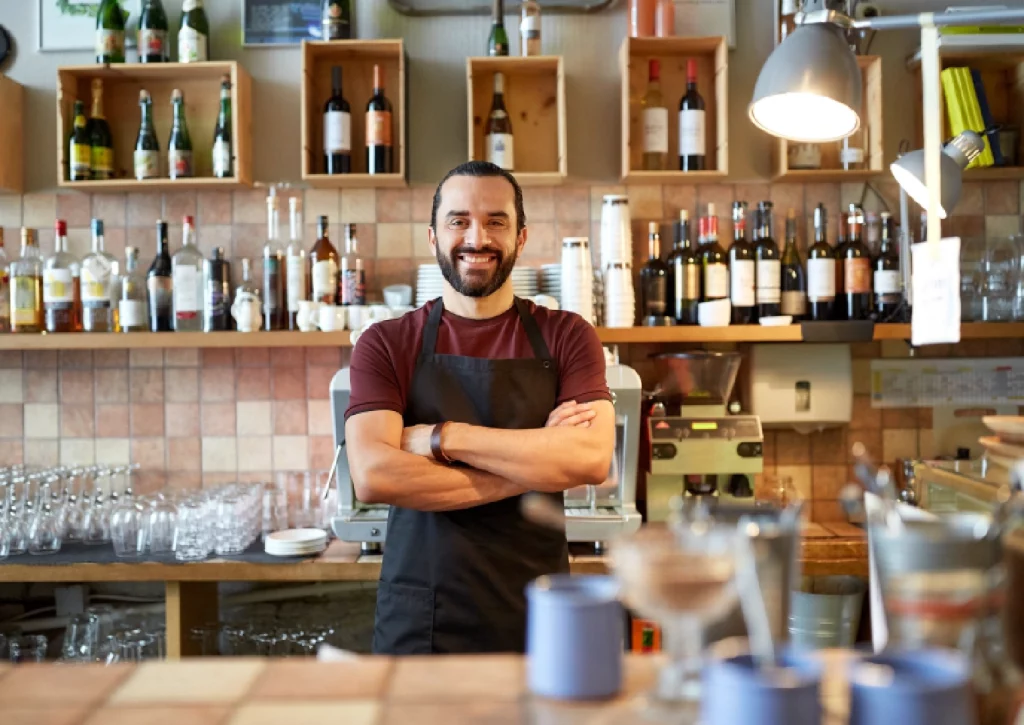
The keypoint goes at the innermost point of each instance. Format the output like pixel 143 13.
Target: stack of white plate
pixel 296 542
pixel 524 281
pixel 430 282
pixel 551 280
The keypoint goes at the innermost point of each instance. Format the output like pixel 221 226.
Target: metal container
pixel 825 612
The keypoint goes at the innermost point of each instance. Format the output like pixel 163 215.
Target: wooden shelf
pixel 826 176
pixel 167 340
pixel 674 177
pixel 995 173
pixel 12 135
pixel 697 335
pixel 207 183
pixel 356 181
pixel 535 100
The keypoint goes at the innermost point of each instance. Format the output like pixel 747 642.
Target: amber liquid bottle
pixel 323 266
pixel 62 292
pixel 27 286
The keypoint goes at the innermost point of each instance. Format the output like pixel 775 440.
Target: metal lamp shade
pixel 909 173
pixel 810 88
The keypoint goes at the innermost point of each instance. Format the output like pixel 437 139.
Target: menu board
pixel 967 381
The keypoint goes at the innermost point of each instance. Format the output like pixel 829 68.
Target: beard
pixel 476 283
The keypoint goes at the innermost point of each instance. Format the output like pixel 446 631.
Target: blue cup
pixel 574 637
pixel 735 692
pixel 922 687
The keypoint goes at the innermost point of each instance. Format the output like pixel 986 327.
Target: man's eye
pixel 457 223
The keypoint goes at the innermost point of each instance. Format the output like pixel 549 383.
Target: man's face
pixel 476 242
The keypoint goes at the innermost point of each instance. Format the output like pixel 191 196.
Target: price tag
pixel 936 284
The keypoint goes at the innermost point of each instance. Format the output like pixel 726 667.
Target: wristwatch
pixel 435 445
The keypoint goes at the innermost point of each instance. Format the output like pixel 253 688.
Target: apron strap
pixel 540 348
pixel 430 330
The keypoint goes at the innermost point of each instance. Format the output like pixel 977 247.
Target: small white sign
pixel 936 285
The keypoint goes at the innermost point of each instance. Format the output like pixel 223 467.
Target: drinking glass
pixel 163 515
pixel 27 648
pixel 44 532
pixel 95 529
pixel 79 636
pixel 17 533
pixel 191 539
pixel 128 530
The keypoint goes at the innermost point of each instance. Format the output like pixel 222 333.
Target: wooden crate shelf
pixel 200 83
pixel 711 54
pixel 356 58
pixel 12 136
pixel 535 100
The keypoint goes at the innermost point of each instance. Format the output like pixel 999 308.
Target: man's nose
pixel 475 235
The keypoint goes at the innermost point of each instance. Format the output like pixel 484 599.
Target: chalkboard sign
pixel 280 22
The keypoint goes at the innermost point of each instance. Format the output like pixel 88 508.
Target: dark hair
pixel 481 169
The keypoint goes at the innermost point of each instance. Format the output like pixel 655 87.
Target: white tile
pixel 10 214
pixel 78 452
pixel 291 453
pixel 358 206
pixel 146 358
pixel 41 453
pixel 79 242
pixel 394 240
pixel 42 420
pixel 254 453
pixel 319 417
pixel 12 388
pixel 220 454
pixel 322 202
pixel 113 451
pixel 253 418
pixel 39 210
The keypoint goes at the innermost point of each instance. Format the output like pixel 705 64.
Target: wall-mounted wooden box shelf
pixel 200 83
pixel 870 137
pixel 12 136
pixel 711 55
pixel 356 59
pixel 535 101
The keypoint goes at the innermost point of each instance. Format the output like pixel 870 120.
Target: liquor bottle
pixel 337 129
pixel 217 281
pixel 247 289
pixel 379 151
pixel 323 265
pixel 159 284
pixel 27 286
pixel 194 33
pixel 741 269
pixel 147 148
pixel 769 268
pixel 498 139
pixel 152 36
pixel 5 287
pixel 80 147
pixel 97 277
pixel 654 282
pixel 131 306
pixel 223 159
pixel 497 42
pixel 655 117
pixel 888 287
pixel 110 19
pixel 61 285
pixel 275 274
pixel 794 283
pixel 179 147
pixel 352 277
pixel 821 271
pixel 683 275
pixel 529 29
pixel 295 260
pixel 692 137
pixel 839 309
pixel 116 280
pixel 713 260
pixel 336 19
pixel 187 275
pixel 856 270
pixel 101 141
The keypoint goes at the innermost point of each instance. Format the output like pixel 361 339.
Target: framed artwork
pixel 71 24
pixel 280 22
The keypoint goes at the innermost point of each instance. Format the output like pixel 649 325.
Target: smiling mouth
pixel 477 260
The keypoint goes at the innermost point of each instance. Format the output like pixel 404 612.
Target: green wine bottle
pixel 147 148
pixel 222 161
pixel 179 148
pixel 152 35
pixel 80 147
pixel 110 22
pixel 336 19
pixel 100 138
pixel 497 43
pixel 194 33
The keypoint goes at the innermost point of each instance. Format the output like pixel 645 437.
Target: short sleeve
pixel 375 384
pixel 581 365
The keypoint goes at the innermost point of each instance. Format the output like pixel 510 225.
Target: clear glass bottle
pixel 352 277
pixel 5 287
pixel 61 285
pixel 27 285
pixel 529 29
pixel 275 313
pixel 115 295
pixel 132 304
pixel 187 282
pixel 295 260
pixel 97 271
pixel 247 287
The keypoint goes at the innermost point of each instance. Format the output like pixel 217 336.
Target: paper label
pixel 186 292
pixel 132 313
pixel 109 42
pixel 794 303
pixel 687 282
pixel 147 164
pixel 769 281
pixel 216 299
pixel 530 25
pixel 191 45
pixel 152 42
pixel 821 279
pixel 353 287
pixel 57 286
pixel 81 160
pixel 935 316
pixel 378 128
pixel 296 267
pixel 179 164
pixel 656 130
pixel 851 155
pixel 102 162
pixel 501 150
pixel 337 132
pixel 716 282
pixel 691 133
pixel 325 281
pixel 856 275
pixel 221 158
pixel 741 277
pixel 159 295
pixel 96 282
pixel 271 275
pixel 191 5
pixel 887 281
pixel 24 300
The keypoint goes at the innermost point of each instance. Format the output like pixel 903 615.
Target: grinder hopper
pixel 698 379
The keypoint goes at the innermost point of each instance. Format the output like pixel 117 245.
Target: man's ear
pixel 432 241
pixel 521 240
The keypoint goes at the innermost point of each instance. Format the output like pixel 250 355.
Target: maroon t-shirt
pixel 385 355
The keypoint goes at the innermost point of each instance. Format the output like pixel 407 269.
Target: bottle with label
pixel 217 281
pixel 654 282
pixel 131 305
pixel 529 29
pixel 498 141
pixel 223 156
pixel 187 275
pixel 179 147
pixel 839 309
pixel 97 278
pixel 101 141
pixel 159 284
pixel 61 285
pixel 27 286
pixel 352 277
pixel 794 283
pixel 888 284
pixel 769 267
pixel 110 20
pixel 323 266
pixel 275 296
pixel 116 280
pixel 147 148
pixel 336 19
pixel 152 35
pixel 692 135
pixel 379 149
pixel 80 147
pixel 713 260
pixel 856 262
pixel 295 260
pixel 337 129
pixel 5 287
pixel 683 275
pixel 194 33
pixel 741 269
pixel 655 119
pixel 821 271
pixel 497 41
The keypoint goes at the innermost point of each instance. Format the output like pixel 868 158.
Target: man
pixel 459 408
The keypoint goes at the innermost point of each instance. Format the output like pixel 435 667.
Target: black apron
pixel 454 581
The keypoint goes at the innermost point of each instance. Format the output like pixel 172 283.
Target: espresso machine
pixel 593 514
pixel 697 447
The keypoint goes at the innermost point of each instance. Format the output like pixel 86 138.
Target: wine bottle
pixel 194 33
pixel 839 309
pixel 888 285
pixel 713 260
pixel 179 148
pixel 692 135
pixel 683 275
pixel 275 296
pixel 529 29
pixel 295 259
pixel 336 19
pixel 497 42
pixel 654 282
pixel 147 147
pixel 856 262
pixel 769 268
pixel 741 269
pixel 159 284
pixel 223 158
pixel 655 117
pixel 323 264
pixel 131 303
pixel 101 141
pixel 379 154
pixel 498 139
pixel 337 129
pixel 152 34
pixel 217 280
pixel 110 20
pixel 794 282
pixel 821 271
pixel 80 147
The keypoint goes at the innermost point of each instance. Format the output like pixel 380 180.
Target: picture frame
pixel 275 23
pixel 70 25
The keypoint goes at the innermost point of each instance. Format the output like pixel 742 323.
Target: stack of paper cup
pixel 578 277
pixel 619 301
pixel 616 231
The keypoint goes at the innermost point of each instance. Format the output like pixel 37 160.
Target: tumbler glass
pixel 128 530
pixel 27 648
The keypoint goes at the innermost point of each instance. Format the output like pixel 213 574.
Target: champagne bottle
pixel 152 34
pixel 80 147
pixel 194 33
pixel 497 42
pixel 100 139
pixel 223 159
pixel 110 22
pixel 179 148
pixel 147 148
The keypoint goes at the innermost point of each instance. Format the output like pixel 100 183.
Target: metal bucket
pixel 825 612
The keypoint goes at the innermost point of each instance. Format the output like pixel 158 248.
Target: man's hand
pixel 570 414
pixel 416 440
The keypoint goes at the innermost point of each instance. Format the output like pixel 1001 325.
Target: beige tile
pixel 861 371
pixel 179 204
pixel 898 444
pixel 111 208
pixel 147 419
pixel 249 206
pixel 321 452
pixel 1001 225
pixel 972 200
pixel 322 202
pixel 394 205
pixel 799 477
pixel 645 202
pixel 572 203
pixel 187 357
pixel 113 451
pixel 77 451
pixel 291 453
pixel 394 240
pixel 473 713
pixel 181 420
pixel 254 453
pixel 44 715
pixel 864 416
pixel 358 206
pixel 12 420
pixel 218 419
pixel 11 386
pixel 829 447
pixel 10 213
pixel 295 679
pixel 185 454
pixel 253 383
pixel 290 417
pixel 181 385
pixel 144 208
pixel 486 677
pixel 12 453
pixel 253 417
pixel 42 452
pixel 40 384
pixel 39 210
pixel 220 454
pixel 828 481
pixel 40 359
pixel 792 448
pixel 319 417
pixel 146 385
pixel 42 420
pixel 76 359
pixel 355 712
pixel 676 198
pixel 149 453
pixel 193 715
pixel 146 358
pixel 422 203
pixel 191 681
pixel 77 421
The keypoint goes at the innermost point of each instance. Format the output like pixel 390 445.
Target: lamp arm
pixel 966 17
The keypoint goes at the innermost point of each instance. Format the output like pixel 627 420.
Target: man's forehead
pixel 469 192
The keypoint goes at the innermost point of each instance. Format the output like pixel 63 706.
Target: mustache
pixel 499 253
